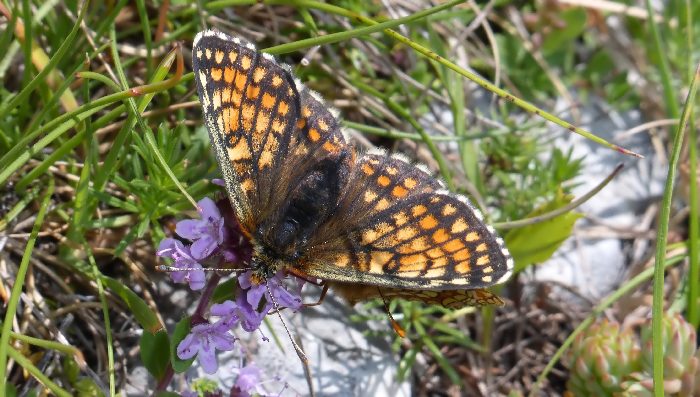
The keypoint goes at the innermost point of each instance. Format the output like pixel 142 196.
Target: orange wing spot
pixel 330 148
pixel 453 245
pixel 483 260
pixel 487 279
pixel 283 108
pixel 440 236
pixel 219 56
pixel 252 91
pixel 378 260
pixel 322 125
pixel 233 119
pixel 392 170
pixel 435 272
pixel 415 262
pixel 276 81
pixel 434 253
pixel 367 169
pixel 373 161
pixel 462 255
pixel 262 122
pixel 400 218
pixel 410 183
pixel 301 123
pixel 341 260
pixel 473 236
pixel 240 152
pixel 399 192
pixel 248 111
pixel 314 135
pixel 245 62
pixel 383 180
pixel 369 236
pixel 429 222
pixel 232 56
pixel 228 74
pixel 370 196
pixel 258 74
pixel 216 74
pixel 439 262
pixel 207 52
pixel 268 101
pixel 247 185
pixel 487 269
pixel 278 126
pixel 459 226
pixel 435 199
pixel 236 97
pixel 225 119
pixel 448 210
pixel 216 99
pixel 419 210
pixel 406 233
pixel 481 247
pixel 463 267
pixel 382 204
pixel 265 159
pixel 226 95
pixel 419 244
pixel 306 112
pixel 239 81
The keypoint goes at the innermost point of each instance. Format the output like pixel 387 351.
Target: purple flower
pixel 250 304
pixel 192 273
pixel 250 316
pixel 203 341
pixel 228 313
pixel 248 382
pixel 274 286
pixel 207 233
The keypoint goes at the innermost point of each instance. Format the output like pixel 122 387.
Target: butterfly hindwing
pixel 408 235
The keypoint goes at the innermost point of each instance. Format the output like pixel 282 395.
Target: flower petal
pixel 207 358
pixel 208 210
pixel 203 247
pixel 188 347
pixel 190 229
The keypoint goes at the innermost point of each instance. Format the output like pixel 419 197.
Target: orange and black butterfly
pixel 367 225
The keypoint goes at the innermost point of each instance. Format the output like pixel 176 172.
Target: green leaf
pixel 143 314
pixel 181 330
pixel 155 352
pixel 538 242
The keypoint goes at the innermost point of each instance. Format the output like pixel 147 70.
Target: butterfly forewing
pixel 251 106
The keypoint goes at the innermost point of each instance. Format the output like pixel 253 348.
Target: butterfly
pixel 368 225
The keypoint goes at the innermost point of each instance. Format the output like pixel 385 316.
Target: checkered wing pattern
pixel 268 132
pixel 401 229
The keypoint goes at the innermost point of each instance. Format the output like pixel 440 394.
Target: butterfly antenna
pixel 170 269
pixel 394 324
pixel 300 353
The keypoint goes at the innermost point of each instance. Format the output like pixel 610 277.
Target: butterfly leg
pixel 320 298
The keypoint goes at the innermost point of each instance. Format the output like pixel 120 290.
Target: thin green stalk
pixel 349 34
pixel 694 234
pixel 657 309
pixel 666 80
pixel 97 276
pixel 11 308
pixel 626 288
